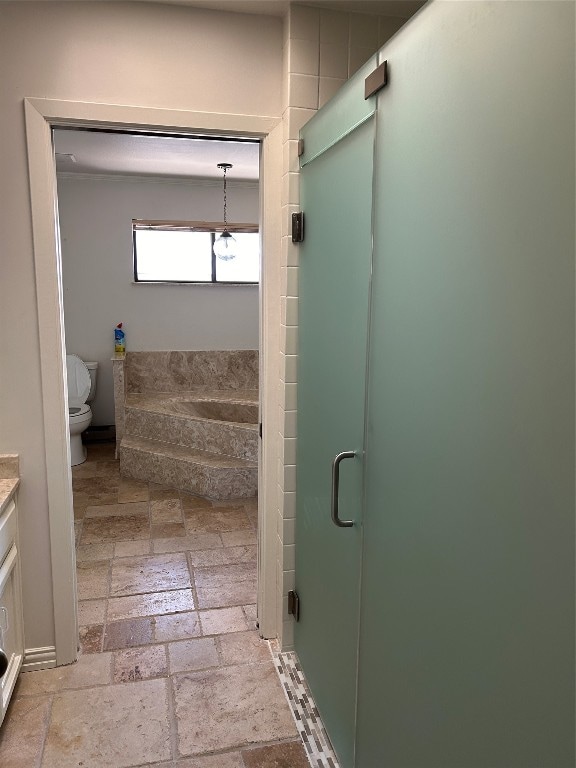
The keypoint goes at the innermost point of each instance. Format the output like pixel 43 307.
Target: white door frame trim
pixel 41 116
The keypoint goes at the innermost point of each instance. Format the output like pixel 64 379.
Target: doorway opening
pixel 43 117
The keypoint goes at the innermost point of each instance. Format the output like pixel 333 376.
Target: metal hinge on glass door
pixel 294 604
pixel 298 227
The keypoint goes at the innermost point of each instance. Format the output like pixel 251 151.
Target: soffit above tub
pixel 126 154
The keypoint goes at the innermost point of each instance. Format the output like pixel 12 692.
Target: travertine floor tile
pixel 243 648
pixel 116 528
pixel 239 538
pixel 230 707
pixel 135 664
pixel 167 530
pixel 222 620
pixel 225 585
pixel 290 754
pixel 134 508
pixel 23 732
pixel 89 552
pixel 134 575
pixel 132 548
pixel 127 634
pixel 132 490
pixel 160 492
pixel 216 519
pixel 189 501
pixel 177 626
pixel 116 725
pixel 151 604
pixel 165 511
pixel 223 556
pixel 90 670
pixel 92 579
pixel 186 655
pixel 187 543
pixel 90 638
pixel 91 612
pixel 226 760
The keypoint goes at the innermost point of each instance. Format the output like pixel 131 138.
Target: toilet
pixel 81 378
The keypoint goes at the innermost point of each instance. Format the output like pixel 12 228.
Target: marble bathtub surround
pixel 189 420
pixel 184 371
pixel 9 477
pixel 172 672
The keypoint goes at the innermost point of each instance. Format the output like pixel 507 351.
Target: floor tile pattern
pixel 172 672
pixel 310 727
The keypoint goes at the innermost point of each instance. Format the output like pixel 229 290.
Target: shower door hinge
pixel 300 147
pixel 298 227
pixel 260 430
pixel 376 80
pixel 294 604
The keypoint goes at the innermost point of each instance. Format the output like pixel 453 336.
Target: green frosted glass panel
pixel 345 111
pixel 467 620
pixel 334 277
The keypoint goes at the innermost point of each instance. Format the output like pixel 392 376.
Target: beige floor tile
pixel 132 509
pixel 186 655
pixel 167 530
pixel 239 538
pixel 216 520
pixel 151 604
pixel 23 732
pixel 133 664
pixel 132 490
pixel 160 492
pixel 290 754
pixel 189 501
pixel 87 552
pixel 223 556
pixel 222 620
pixel 128 634
pixel 91 612
pixel 177 626
pixel 101 452
pixel 123 528
pixel 165 511
pixel 134 575
pixel 88 671
pixel 230 707
pixel 90 638
pixel 92 579
pixel 187 543
pixel 226 760
pixel 243 648
pixel 117 725
pixel 225 585
pixel 132 548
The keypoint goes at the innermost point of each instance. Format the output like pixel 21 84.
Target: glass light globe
pixel 225 247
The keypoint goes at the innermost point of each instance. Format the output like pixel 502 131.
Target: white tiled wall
pixel 322 49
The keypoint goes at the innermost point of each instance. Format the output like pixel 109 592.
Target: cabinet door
pixel 11 634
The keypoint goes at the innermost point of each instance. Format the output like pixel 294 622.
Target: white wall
pixel 97 270
pixel 120 53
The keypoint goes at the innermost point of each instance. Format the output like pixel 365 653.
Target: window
pixel 182 252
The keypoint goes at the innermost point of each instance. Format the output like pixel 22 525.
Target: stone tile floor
pixel 171 671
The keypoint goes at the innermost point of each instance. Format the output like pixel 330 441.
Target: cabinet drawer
pixel 7 529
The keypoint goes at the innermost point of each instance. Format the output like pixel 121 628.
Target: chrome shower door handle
pixel 336 487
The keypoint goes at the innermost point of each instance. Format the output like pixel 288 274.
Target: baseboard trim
pixel 39 658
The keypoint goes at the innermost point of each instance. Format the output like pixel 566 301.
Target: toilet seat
pixel 78 411
pixel 79 381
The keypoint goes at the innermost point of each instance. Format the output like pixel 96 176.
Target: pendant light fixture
pixel 225 245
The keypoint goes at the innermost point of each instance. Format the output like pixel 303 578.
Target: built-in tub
pixel 235 413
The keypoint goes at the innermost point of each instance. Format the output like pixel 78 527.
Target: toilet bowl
pixel 81 378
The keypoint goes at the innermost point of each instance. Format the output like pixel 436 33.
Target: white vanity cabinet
pixel 11 623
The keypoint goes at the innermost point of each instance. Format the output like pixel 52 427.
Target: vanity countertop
pixel 9 478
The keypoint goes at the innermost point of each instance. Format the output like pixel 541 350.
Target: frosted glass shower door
pixel 334 273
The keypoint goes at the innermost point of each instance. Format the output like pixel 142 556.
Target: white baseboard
pixel 39 658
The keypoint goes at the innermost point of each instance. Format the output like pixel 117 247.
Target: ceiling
pixel 102 152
